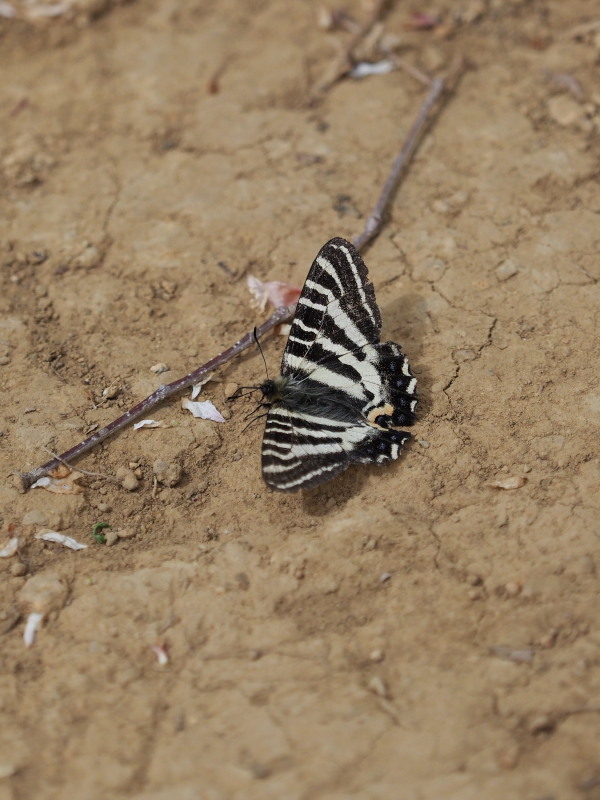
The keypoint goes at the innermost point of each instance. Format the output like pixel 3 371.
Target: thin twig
pixel 284 314
pixel 162 393
pixel 375 221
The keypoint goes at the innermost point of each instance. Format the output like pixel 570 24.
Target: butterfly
pixel 341 395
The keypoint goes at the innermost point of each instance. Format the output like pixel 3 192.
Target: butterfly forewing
pixel 341 394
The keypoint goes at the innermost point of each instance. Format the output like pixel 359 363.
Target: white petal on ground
pixel 514 482
pixel 7 10
pixel 10 548
pixel 197 386
pixel 34 620
pixel 364 68
pixel 150 423
pixel 202 410
pixel 161 654
pixel 60 538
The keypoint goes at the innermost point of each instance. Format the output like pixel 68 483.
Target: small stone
pixel 159 368
pixel 88 258
pixel 127 479
pixel 7 770
pixel 548 639
pixel 4 361
pixel 230 389
pixel 377 686
pixel 507 269
pixel 541 724
pixel 104 508
pixel 112 391
pixel 167 474
pixel 564 110
pixel 424 443
pixel 512 589
pixel 376 655
pixel 385 576
pixel 126 533
pixel 110 537
pixel 371 544
pixel 18 569
pixel 474 594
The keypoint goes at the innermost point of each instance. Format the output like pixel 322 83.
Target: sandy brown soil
pixel 405 632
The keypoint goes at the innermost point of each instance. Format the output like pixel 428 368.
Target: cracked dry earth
pixel 404 632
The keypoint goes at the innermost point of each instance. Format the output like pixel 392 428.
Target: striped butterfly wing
pixel 343 393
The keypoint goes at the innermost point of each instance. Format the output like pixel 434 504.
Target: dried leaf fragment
pixel 62 485
pixel 277 293
pixel 514 482
pixel 202 410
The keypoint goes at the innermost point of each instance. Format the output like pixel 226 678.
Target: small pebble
pixel 385 576
pixel 159 368
pixel 564 110
pixel 541 724
pixel 512 588
pixel 127 479
pixel 376 655
pixel 126 533
pixel 506 270
pixel 167 474
pixel 112 391
pixel 110 537
pixel 88 258
pixel 377 686
pixel 104 508
pixel 18 569
pixel 7 770
pixel 424 443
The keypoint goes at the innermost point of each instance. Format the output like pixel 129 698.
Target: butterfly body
pixel 341 395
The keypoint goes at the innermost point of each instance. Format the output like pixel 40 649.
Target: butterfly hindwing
pixel 341 393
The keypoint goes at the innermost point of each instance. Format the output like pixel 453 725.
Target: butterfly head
pixel 273 389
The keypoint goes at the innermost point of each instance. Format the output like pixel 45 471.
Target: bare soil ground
pixel 404 632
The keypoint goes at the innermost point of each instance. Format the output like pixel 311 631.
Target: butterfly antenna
pixel 252 421
pixel 261 352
